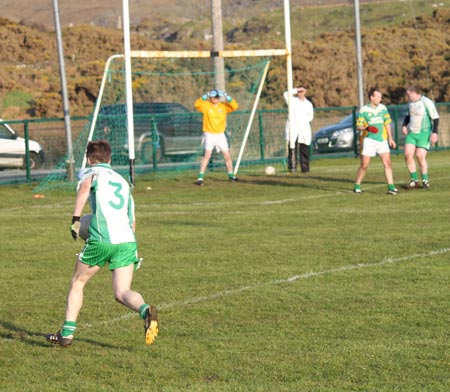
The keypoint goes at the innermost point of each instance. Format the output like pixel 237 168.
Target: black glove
pixel 75 227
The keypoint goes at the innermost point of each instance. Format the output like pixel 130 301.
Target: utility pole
pixel 217 31
pixel 62 69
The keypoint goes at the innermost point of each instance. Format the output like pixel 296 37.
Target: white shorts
pixel 373 147
pixel 218 140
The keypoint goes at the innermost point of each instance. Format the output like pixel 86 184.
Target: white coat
pixel 302 115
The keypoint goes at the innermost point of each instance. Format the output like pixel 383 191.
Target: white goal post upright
pixel 290 82
pixel 129 92
pixel 128 89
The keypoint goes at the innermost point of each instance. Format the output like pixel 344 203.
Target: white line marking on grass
pixel 294 278
pixel 306 275
pixel 142 211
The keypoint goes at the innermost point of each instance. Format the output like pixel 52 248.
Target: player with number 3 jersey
pixel 111 204
pixel 111 241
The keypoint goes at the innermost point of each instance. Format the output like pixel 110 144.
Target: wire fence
pixel 266 142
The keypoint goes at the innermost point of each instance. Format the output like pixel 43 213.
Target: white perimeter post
pixel 252 116
pixel 290 84
pixel 128 87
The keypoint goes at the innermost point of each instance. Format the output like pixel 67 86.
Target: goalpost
pixel 181 55
pixel 128 82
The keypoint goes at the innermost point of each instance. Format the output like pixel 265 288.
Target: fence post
pixel 262 142
pixel 154 143
pixel 27 149
pixel 395 122
pixel 355 134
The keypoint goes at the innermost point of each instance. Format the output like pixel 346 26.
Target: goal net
pixel 167 129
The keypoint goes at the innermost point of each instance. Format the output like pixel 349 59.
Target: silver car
pixel 339 137
pixel 12 150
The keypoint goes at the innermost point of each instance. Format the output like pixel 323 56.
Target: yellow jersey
pixel 215 115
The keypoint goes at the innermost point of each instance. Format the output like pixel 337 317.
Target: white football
pixel 269 170
pixel 85 222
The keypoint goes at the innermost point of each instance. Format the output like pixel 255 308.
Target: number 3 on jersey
pixel 120 200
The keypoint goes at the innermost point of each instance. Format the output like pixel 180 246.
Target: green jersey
pixel 112 205
pixel 377 117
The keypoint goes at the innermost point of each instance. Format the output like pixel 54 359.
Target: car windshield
pixel 5 133
pixel 347 119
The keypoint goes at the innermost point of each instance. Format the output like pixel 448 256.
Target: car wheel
pixel 35 162
pixel 147 151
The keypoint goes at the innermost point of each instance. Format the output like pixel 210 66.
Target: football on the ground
pixel 85 222
pixel 270 170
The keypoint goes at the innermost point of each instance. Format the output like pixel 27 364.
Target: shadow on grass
pixel 299 181
pixel 16 333
pixel 304 181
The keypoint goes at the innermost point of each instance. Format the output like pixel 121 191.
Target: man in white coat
pixel 302 115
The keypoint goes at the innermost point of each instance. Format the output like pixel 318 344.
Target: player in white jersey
pixel 421 129
pixel 111 241
pixel 112 205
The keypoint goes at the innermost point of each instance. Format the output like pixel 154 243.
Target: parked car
pixel 339 137
pixel 12 150
pixel 178 130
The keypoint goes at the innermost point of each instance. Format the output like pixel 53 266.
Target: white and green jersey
pixel 421 115
pixel 112 205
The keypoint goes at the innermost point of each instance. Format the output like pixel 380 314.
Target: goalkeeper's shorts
pixel 217 140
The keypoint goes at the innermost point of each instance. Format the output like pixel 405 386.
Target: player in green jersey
pixel 111 241
pixel 421 129
pixel 374 122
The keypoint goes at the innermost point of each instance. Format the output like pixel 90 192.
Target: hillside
pixel 397 50
pixel 106 13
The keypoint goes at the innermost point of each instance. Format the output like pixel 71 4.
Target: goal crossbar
pixel 207 53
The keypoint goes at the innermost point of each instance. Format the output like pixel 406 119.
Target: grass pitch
pixel 276 283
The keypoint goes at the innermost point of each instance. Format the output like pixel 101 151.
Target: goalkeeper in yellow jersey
pixel 214 126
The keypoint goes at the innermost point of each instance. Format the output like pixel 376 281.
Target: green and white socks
pixel 68 329
pixel 143 311
pixel 414 177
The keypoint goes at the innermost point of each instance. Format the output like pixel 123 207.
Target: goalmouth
pixel 186 56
